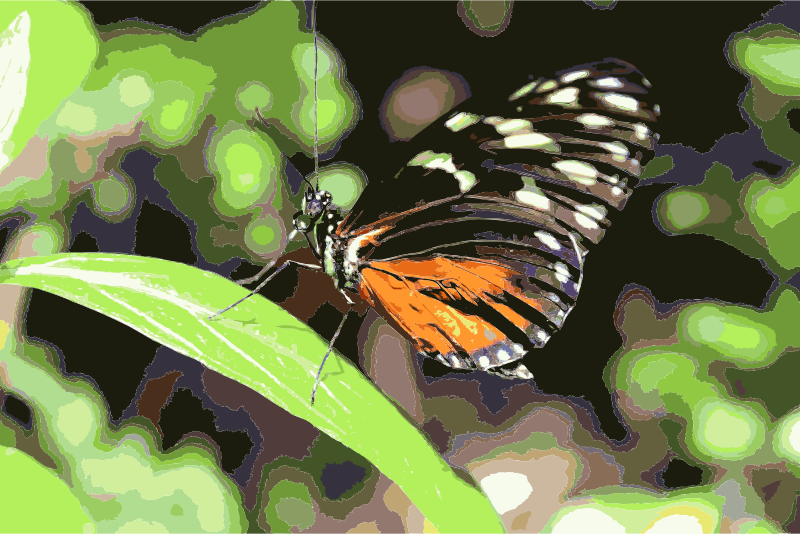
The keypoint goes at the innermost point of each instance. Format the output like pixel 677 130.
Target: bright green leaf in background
pixel 260 345
pixel 26 481
pixel 15 57
pixel 758 215
pixel 775 60
pixel 48 48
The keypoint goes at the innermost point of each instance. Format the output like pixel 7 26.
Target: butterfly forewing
pixel 476 247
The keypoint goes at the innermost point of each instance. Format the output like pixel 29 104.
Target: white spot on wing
pixel 460 121
pixel 532 198
pixel 593 210
pixel 531 140
pixel 568 95
pixel 548 240
pixel 623 102
pixel 465 180
pixel 576 75
pixel 503 355
pixel 610 82
pixel 594 120
pixel 524 90
pixel 585 221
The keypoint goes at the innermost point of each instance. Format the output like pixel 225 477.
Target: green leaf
pixel 32 482
pixel 263 347
pixel 15 60
pixel 46 52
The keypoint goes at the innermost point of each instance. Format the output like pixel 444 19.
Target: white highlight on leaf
pixel 685 524
pixel 121 280
pixel 128 282
pixel 15 61
pixel 506 490
pixel 794 436
pixel 587 520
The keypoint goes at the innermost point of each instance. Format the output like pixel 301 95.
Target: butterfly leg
pixel 267 279
pixel 268 266
pixel 330 348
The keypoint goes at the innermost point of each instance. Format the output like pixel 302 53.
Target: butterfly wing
pixel 476 247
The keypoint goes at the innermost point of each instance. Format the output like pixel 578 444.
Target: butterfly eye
pixel 326 198
pixel 314 208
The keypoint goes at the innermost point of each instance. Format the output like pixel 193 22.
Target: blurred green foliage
pixel 27 486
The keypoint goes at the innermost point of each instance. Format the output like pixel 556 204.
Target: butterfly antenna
pixel 261 118
pixel 316 130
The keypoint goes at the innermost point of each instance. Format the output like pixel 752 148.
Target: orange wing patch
pixel 431 300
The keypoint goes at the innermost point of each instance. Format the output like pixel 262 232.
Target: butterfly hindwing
pixel 469 317
pixel 476 247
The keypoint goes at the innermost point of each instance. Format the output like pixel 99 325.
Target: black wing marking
pixel 531 190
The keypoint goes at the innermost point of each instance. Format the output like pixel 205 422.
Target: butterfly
pixel 475 249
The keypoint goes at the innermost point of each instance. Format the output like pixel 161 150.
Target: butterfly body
pixel 475 250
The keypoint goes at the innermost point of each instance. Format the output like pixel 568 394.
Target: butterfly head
pixel 315 204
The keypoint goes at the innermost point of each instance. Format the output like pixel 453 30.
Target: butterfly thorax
pixel 336 263
pixel 322 219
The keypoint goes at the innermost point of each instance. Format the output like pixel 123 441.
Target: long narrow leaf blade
pixel 263 347
pixel 15 59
